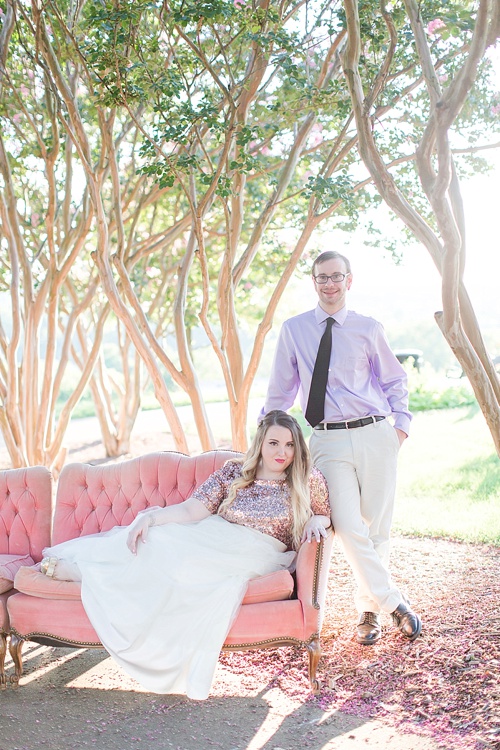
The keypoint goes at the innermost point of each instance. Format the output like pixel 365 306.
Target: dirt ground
pixel 438 693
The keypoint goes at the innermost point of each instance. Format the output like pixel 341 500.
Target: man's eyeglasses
pixel 322 278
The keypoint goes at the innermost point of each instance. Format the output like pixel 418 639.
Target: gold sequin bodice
pixel 265 505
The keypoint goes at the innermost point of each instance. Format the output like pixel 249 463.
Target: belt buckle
pixel 347 425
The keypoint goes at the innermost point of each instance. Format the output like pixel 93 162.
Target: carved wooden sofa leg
pixel 15 648
pixel 314 650
pixel 3 651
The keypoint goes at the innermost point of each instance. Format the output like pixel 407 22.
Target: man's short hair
pixel 331 255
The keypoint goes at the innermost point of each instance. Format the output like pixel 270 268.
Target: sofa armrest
pixel 312 569
pixel 25 511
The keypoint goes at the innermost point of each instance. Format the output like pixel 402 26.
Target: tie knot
pixel 329 322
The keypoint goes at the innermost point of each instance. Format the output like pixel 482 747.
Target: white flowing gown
pixel 164 613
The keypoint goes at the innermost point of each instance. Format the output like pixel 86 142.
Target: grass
pixel 449 474
pixel 449 478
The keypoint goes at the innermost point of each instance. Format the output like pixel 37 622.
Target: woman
pixel 162 593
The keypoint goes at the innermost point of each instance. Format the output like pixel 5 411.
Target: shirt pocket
pixel 357 372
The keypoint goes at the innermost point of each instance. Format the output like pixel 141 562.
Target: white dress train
pixel 164 613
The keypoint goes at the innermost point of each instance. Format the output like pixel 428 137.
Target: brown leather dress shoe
pixel 407 621
pixel 368 629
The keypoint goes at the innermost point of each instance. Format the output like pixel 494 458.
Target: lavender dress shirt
pixel 364 379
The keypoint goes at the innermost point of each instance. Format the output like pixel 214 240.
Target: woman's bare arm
pixel 190 511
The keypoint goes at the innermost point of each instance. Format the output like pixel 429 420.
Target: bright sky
pixel 413 288
pixel 411 291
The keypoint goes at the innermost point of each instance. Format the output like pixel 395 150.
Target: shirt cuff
pixel 401 422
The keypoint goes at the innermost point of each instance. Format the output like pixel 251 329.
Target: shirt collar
pixel 340 316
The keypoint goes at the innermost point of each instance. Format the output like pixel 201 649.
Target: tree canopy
pixel 164 166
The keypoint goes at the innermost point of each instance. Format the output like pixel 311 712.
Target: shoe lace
pixel 401 614
pixel 369 618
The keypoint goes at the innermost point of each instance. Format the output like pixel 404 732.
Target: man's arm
pixel 393 381
pixel 284 380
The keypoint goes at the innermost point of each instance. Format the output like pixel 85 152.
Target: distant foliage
pixel 432 389
pixel 424 399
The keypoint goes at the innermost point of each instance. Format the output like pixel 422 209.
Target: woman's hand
pixel 315 528
pixel 138 530
pixel 190 511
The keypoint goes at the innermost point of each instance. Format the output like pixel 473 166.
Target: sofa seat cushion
pixel 9 566
pixel 274 587
pixel 270 588
pixel 31 581
pixel 5 585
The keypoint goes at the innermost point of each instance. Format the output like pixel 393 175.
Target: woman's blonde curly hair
pixel 297 474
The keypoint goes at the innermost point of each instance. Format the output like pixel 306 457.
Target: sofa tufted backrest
pixel 25 511
pixel 91 499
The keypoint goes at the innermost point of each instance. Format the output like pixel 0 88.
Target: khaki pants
pixel 360 468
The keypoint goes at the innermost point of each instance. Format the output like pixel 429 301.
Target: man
pixel 353 443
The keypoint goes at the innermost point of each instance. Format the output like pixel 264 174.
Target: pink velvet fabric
pixel 296 619
pixel 267 621
pixel 31 581
pixel 66 620
pixel 312 582
pixel 53 618
pixel 91 499
pixel 25 520
pixel 273 587
pixel 96 498
pixel 9 565
pixel 25 511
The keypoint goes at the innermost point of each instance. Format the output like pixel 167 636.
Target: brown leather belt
pixel 350 425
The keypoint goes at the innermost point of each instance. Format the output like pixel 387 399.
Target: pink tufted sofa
pixel 278 609
pixel 25 518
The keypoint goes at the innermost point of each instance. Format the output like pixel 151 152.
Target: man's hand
pixel 401 436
